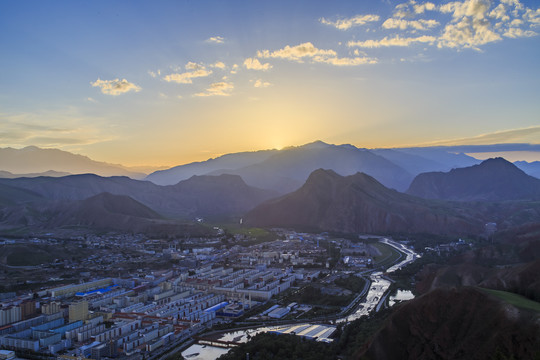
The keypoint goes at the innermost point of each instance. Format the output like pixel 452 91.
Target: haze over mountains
pixel 34 161
pixel 354 194
pixel 279 170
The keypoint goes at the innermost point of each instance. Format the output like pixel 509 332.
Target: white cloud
pixel 216 40
pixel 472 8
pixel 218 89
pixel 255 64
pixel 470 26
pixel 345 61
pixel 154 74
pixel 300 53
pixel 219 65
pixel 345 24
pixel 395 41
pixel 514 32
pixel 421 8
pixel 402 24
pixel 115 87
pixel 296 53
pixel 197 70
pixel 261 84
pixel 532 16
pixel 194 66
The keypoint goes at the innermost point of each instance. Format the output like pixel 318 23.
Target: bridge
pixel 217 343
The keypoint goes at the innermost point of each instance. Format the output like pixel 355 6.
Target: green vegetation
pixel 389 255
pixel 349 338
pixel 283 346
pixel 354 283
pixel 514 299
pixel 313 296
pixel 28 255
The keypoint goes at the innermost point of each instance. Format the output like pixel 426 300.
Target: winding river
pixel 372 301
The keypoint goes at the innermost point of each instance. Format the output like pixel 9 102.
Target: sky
pixel 170 82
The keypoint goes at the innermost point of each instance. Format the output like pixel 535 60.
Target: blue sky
pixel 168 82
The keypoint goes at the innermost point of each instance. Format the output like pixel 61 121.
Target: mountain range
pixel 325 200
pixel 360 204
pixel 492 180
pixel 32 161
pixel 282 170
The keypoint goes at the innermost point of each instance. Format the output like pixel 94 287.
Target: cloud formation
pixel 403 24
pixel 261 84
pixel 216 40
pixel 218 89
pixel 307 51
pixel 255 64
pixel 57 128
pixel 345 24
pixel 196 71
pixel 115 87
pixel 458 24
pixel 529 134
pixel 395 41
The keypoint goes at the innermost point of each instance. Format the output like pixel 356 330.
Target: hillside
pixel 492 180
pixel 199 196
pixel 359 203
pixel 465 323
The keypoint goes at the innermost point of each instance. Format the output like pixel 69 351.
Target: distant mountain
pixel 289 168
pixel 492 180
pixel 33 160
pixel 218 195
pixel 199 196
pixel 224 163
pixel 531 168
pixel 104 211
pixel 425 159
pixel 359 203
pixel 10 195
pixel 464 323
pixel 52 173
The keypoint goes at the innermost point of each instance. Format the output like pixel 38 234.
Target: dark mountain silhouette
pixel 464 323
pixel 216 195
pixel 32 159
pixel 10 195
pixel 492 180
pixel 103 211
pixel 520 279
pixel 108 212
pixel 199 196
pixel 359 203
pixel 289 168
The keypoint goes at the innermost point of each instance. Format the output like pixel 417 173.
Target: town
pixel 129 295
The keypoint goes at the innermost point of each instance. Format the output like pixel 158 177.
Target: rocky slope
pixel 492 180
pixel 359 203
pixel 465 323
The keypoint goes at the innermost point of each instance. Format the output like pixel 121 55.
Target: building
pixel 78 311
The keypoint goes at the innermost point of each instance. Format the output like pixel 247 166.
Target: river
pixel 379 286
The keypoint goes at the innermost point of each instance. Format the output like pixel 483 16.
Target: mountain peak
pixel 494 179
pixel 317 144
